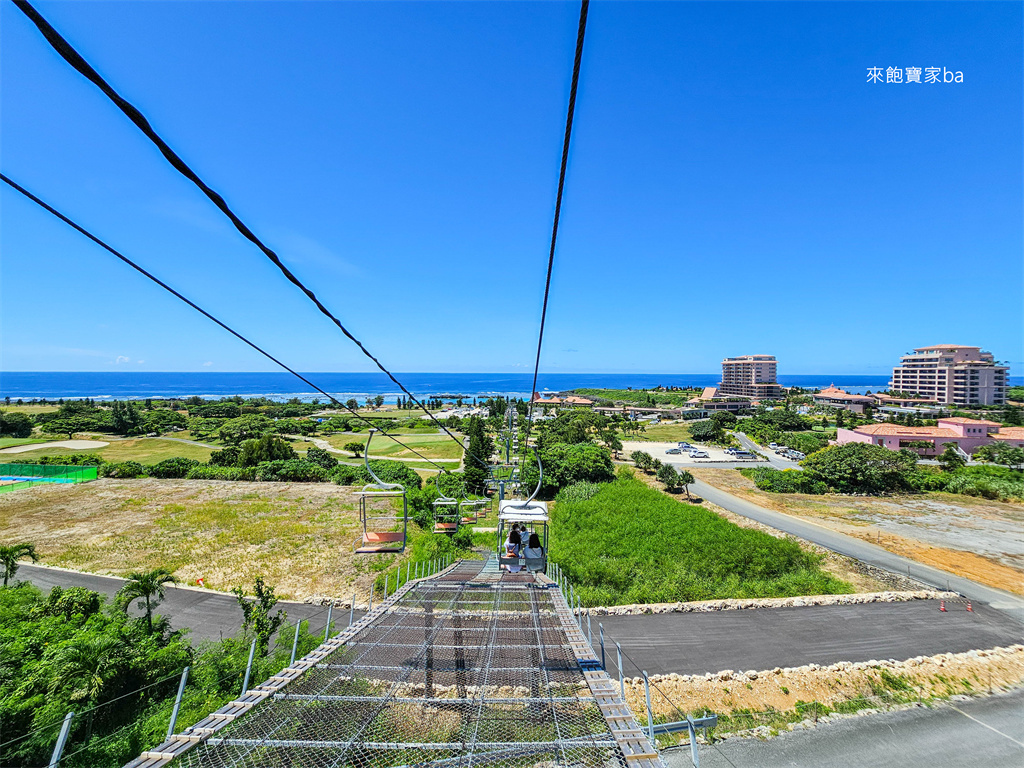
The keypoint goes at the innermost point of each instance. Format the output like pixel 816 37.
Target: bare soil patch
pixel 923 677
pixel 977 538
pixel 297 536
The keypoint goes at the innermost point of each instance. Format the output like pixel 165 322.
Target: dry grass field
pixel 298 537
pixel 980 539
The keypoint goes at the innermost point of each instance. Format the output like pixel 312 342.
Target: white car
pixel 773 446
pixel 696 453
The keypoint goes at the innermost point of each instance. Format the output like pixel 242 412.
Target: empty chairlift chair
pixel 447 512
pixel 384 530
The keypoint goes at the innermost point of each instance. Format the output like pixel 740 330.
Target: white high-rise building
pixel 750 376
pixel 951 374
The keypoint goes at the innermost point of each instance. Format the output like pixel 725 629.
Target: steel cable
pixel 570 112
pixel 78 62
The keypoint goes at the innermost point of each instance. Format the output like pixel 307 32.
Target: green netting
pixel 26 475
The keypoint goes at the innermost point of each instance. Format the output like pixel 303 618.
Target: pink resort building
pixel 838 398
pixel 967 434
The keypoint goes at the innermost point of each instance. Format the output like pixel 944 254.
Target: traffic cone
pixel 942 606
pixel 969 606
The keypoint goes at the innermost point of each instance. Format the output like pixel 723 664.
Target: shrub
pixel 291 470
pixel 123 469
pixel 784 480
pixel 388 471
pixel 321 458
pixel 227 457
pixel 207 472
pixel 176 467
pixel 346 474
pixel 565 464
pixel 73 460
pixel 265 448
pixel 862 468
pixel 15 425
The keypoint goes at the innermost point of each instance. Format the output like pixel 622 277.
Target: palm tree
pixel 86 664
pixel 148 587
pixel 9 557
pixel 685 478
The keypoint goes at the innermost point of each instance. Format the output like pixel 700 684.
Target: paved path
pixel 773 458
pixel 686 643
pixel 981 732
pixel 869 553
pixel 210 615
pixel 765 638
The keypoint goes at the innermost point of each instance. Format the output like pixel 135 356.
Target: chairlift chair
pixel 533 514
pixel 447 512
pixel 379 534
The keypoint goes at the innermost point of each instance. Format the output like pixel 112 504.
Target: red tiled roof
pixel 972 422
pixel 898 429
pixel 1009 433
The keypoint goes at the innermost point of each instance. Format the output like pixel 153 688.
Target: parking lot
pixel 715 455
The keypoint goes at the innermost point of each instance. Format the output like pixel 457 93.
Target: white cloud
pixel 121 359
pixel 207 364
pixel 141 362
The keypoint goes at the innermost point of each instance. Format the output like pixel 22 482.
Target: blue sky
pixel 735 185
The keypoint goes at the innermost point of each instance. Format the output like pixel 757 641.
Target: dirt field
pixel 980 539
pixel 297 536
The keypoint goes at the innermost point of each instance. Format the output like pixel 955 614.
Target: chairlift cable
pixel 78 62
pixel 47 207
pixel 581 31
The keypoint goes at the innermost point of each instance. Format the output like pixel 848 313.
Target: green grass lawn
pixel 145 450
pixel 633 544
pixel 662 433
pixel 433 446
pixel 7 442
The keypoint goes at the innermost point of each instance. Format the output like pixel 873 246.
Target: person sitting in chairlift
pixel 512 547
pixel 533 548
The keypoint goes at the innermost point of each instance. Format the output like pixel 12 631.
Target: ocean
pixel 27 385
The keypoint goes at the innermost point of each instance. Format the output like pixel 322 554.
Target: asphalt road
pixel 685 643
pixel 983 732
pixel 1010 604
pixel 210 615
pixel 764 638
pixel 773 458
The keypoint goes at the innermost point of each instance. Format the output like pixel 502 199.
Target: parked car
pixel 674 451
pixel 685 446
pixel 773 446
pixel 743 454
pixel 696 453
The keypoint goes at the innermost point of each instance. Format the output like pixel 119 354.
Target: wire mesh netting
pixel 14 476
pixel 466 668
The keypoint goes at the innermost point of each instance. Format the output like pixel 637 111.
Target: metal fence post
pixel 62 738
pixel 408 570
pixel 352 610
pixel 694 757
pixel 177 703
pixel 590 634
pixel 327 629
pixel 248 667
pixel 369 607
pixel 600 634
pixel 650 713
pixel 386 575
pixel 622 680
pixel 295 642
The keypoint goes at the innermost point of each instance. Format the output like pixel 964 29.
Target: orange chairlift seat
pixel 380 534
pixel 447 511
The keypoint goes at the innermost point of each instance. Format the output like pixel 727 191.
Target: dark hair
pixel 513 537
pixel 534 541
